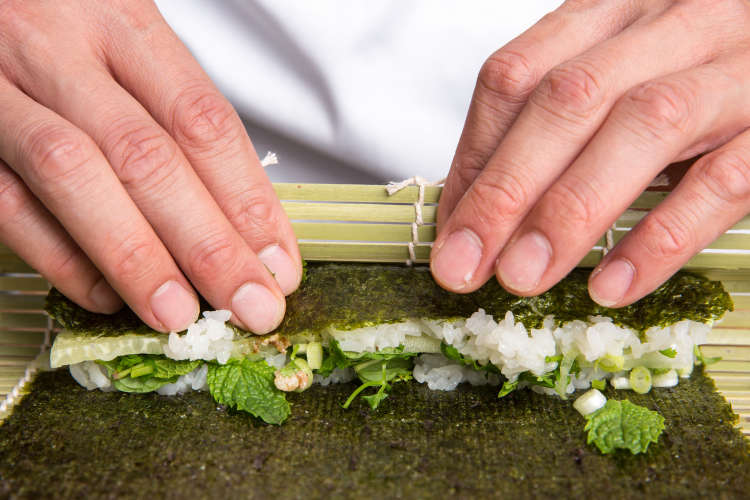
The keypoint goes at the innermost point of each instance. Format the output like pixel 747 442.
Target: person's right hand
pixel 125 173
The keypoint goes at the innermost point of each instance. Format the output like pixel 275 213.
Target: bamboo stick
pixel 363 212
pixel 327 231
pixel 23 321
pixel 352 193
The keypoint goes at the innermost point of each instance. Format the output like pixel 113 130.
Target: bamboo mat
pixel 363 223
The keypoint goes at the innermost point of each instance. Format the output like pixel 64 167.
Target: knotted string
pixel 269 159
pixel 393 188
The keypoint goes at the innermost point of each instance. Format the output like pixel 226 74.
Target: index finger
pixel 176 91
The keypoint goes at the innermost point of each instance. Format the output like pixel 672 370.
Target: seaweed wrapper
pixel 65 442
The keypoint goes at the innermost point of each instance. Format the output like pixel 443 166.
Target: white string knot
pixel 393 188
pixel 609 239
pixel 269 159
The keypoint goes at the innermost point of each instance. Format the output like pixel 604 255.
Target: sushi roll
pixel 381 325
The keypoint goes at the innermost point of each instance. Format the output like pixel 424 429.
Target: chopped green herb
pixel 599 384
pixel 507 388
pixel 640 379
pixel 380 372
pixel 670 353
pixel 702 359
pixel 451 352
pixel 623 425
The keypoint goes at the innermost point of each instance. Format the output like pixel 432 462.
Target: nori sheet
pixel 65 442
pixel 349 296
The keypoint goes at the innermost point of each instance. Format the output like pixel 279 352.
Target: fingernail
pixel 259 309
pixel 523 263
pixel 609 284
pixel 104 297
pixel 457 259
pixel 282 266
pixel 174 307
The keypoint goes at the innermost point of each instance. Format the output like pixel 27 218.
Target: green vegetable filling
pixel 146 372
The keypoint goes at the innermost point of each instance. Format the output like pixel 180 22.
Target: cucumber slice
pixel 71 348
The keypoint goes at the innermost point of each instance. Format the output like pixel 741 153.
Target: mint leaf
pixel 669 352
pixel 248 386
pixel 623 425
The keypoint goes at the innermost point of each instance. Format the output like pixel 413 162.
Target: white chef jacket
pixel 350 91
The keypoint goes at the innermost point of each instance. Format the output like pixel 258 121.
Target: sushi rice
pixel 601 349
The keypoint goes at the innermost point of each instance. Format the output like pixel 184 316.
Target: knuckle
pixel 571 205
pixel 666 235
pixel 65 263
pixel 253 213
pixel 213 256
pixel 499 197
pixel 572 90
pixel 469 165
pixel 14 199
pixel 146 156
pixel 726 174
pixel 660 107
pixel 134 258
pixel 57 155
pixel 508 75
pixel 203 119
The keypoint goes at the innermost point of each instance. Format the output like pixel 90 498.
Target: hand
pixel 123 168
pixel 571 121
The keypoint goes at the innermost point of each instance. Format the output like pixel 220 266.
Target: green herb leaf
pixel 624 425
pixel 146 372
pixel 451 352
pixel 167 368
pixel 669 352
pixel 599 384
pixel 375 399
pixel 704 360
pixel 248 386
pixel 507 388
pixel 142 384
pixel 337 358
pixel 380 372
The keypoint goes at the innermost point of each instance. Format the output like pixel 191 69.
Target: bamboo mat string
pixel 269 159
pixel 393 188
pixel 609 239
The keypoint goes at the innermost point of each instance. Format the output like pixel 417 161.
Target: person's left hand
pixel 572 120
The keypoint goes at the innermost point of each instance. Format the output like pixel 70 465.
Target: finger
pixel 648 127
pixel 65 170
pixel 509 76
pixel 561 116
pixel 173 199
pixel 34 235
pixel 713 195
pixel 180 96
